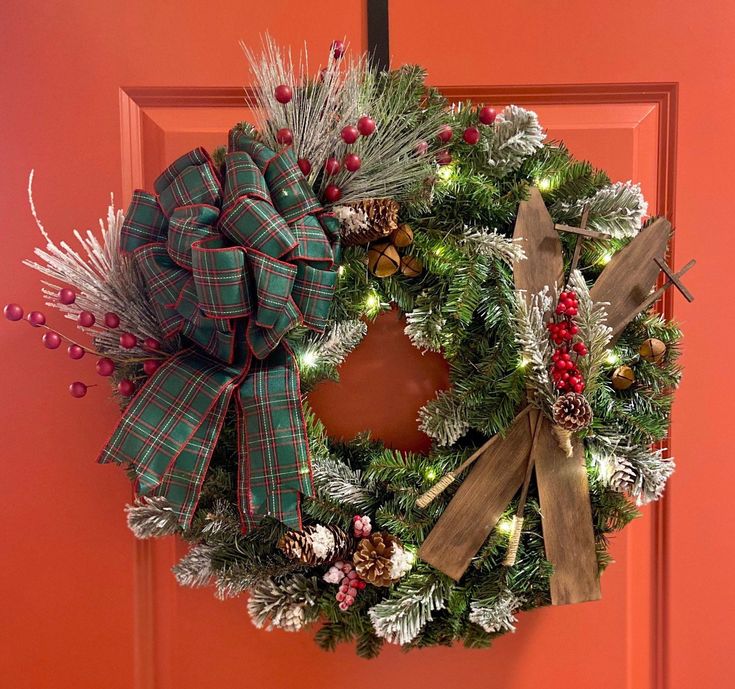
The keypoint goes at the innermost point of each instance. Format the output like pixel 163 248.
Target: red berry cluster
pixel 471 135
pixel 361 526
pixel 562 330
pixel 86 319
pixel 349 583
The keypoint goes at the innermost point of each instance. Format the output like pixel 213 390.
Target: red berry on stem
pixel 304 165
pixel 105 366
pixel 331 167
pixel 366 125
pixel 112 320
pixel 443 157
pixel 338 49
pixel 128 340
pixel 77 389
pixel 13 312
pixel 75 351
pixel 150 366
pixel 151 343
pixel 284 136
pixel 67 296
pixel 471 135
pixel 332 193
pixel 487 115
pixel 421 148
pixel 126 387
pixel 350 133
pixel 51 339
pixel 444 134
pixel 283 93
pixel 36 319
pixel 86 319
pixel 352 162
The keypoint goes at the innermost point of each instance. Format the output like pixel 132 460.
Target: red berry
pixel 75 351
pixel 151 343
pixel 578 388
pixel 332 193
pixel 471 135
pixel 487 115
pixel 561 384
pixel 340 596
pixel 338 49
pixel 105 366
pixel 36 319
pixel 579 346
pixel 128 340
pixel 112 320
pixel 573 328
pixel 331 167
pixel 126 387
pixel 560 309
pixel 352 162
pixel 304 165
pixel 150 366
pixel 444 134
pixel 284 136
pixel 51 340
pixel 67 296
pixel 574 381
pixel 86 319
pixel 366 125
pixel 77 389
pixel 444 157
pixel 283 93
pixel 13 312
pixel 349 134
pixel 421 148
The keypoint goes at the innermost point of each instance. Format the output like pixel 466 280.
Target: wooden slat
pixel 674 278
pixel 567 520
pixel 480 501
pixel 544 264
pixel 626 281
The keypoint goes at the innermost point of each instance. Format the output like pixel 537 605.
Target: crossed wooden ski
pixel 497 475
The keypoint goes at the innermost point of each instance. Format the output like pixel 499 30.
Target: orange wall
pixel 66 583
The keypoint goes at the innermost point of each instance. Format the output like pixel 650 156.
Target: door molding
pixel 135 100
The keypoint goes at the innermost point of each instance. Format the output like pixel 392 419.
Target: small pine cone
pixel 382 220
pixel 316 545
pixel 372 558
pixel 572 412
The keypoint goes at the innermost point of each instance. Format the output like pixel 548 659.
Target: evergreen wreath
pixel 419 202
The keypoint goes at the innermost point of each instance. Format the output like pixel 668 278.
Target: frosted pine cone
pixel 316 545
pixel 572 412
pixel 381 218
pixel 373 558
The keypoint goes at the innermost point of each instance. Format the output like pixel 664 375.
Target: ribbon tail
pixel 172 426
pixel 275 467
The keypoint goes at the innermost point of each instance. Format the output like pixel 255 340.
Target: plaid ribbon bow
pixel 232 260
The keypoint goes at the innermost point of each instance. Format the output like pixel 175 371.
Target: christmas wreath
pixel 218 301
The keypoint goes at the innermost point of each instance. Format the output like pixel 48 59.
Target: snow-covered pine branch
pixel 151 517
pixel 400 618
pixel 617 209
pixel 444 418
pixel 517 135
pixel 493 244
pixel 497 615
pixel 287 602
pixel 335 481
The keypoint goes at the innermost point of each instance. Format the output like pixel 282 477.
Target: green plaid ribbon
pixel 233 259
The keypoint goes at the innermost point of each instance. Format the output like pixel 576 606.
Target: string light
pixel 308 359
pixel 372 303
pixel 524 362
pixel 445 172
pixel 505 526
pixel 612 358
pixel 544 183
pixel 341 271
pixel 430 474
pixel 605 258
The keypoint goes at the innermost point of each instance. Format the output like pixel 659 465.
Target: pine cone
pixel 382 220
pixel 372 559
pixel 316 545
pixel 572 412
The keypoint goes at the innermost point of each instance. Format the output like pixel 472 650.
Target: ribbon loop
pixel 232 265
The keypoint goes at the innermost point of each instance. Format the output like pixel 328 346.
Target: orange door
pixel 98 97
